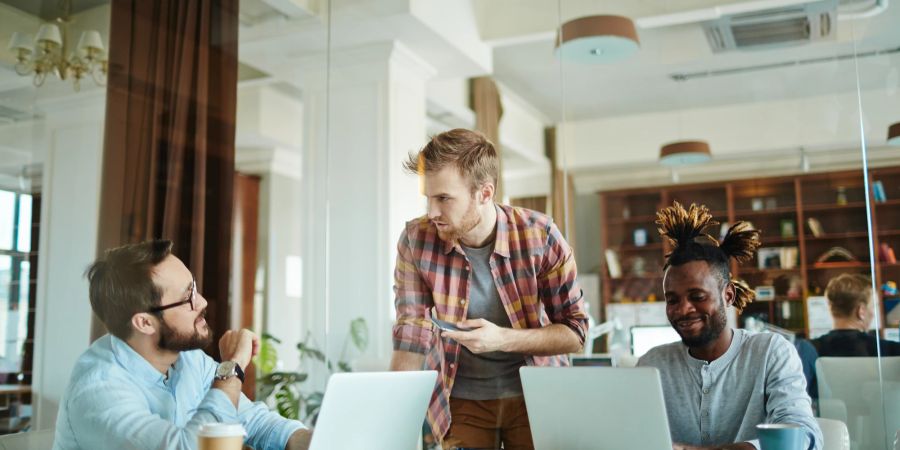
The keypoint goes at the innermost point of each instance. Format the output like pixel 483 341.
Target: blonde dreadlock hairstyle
pixel 684 230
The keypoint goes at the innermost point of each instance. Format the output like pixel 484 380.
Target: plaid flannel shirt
pixel 534 271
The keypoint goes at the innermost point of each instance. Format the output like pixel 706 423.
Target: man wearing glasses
pixel 147 384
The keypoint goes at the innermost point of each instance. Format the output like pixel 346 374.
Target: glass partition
pixel 877 416
pixel 603 112
pixel 51 132
pixel 783 130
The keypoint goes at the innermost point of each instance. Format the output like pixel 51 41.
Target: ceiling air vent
pixel 857 6
pixel 772 28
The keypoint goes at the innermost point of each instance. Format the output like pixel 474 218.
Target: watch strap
pixel 239 372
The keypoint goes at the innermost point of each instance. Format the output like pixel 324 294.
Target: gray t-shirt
pixel 493 375
pixel 758 380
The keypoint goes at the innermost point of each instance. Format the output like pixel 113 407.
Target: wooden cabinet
pixel 813 227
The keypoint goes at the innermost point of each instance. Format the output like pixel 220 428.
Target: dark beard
pixel 709 333
pixel 171 340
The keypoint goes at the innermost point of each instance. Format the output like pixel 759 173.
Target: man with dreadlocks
pixel 719 382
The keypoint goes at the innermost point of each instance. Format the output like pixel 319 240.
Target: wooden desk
pixel 11 403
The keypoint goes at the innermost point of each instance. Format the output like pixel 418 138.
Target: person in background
pixel 719 382
pixel 851 301
pixel 504 275
pixel 146 384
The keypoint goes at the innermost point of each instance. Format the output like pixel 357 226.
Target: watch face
pixel 226 369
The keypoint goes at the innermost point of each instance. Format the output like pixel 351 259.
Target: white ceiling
pixel 278 44
pixel 524 61
pixel 50 9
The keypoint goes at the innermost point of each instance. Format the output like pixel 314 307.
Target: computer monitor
pixel 598 360
pixel 643 338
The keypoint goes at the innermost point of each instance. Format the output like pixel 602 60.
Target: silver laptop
pixel 379 410
pixel 596 408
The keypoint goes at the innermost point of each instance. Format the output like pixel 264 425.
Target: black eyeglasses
pixel 173 305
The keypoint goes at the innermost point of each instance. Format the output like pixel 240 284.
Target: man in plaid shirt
pixel 503 276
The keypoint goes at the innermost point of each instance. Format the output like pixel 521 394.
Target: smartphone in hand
pixel 444 325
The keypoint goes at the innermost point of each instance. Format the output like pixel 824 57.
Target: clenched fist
pixel 239 346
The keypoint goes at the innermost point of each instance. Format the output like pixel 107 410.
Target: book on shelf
pixel 777 258
pixel 787 228
pixel 815 227
pixel 878 191
pixel 612 264
pixel 892 311
pixel 886 253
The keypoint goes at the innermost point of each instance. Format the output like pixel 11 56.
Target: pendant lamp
pixel 684 152
pixel 597 39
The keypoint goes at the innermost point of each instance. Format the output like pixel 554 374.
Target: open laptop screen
pixel 643 338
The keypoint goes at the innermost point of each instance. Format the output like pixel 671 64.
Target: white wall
pixel 761 139
pixel 281 235
pixel 266 116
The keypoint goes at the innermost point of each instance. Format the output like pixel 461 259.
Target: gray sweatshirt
pixel 759 379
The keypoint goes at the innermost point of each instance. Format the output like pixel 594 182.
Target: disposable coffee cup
pixel 780 436
pixel 221 436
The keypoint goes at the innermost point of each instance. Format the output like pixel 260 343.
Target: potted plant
pixel 285 391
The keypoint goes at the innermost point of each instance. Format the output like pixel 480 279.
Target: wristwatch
pixel 228 369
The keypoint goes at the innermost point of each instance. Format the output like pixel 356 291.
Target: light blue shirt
pixel 117 400
pixel 758 380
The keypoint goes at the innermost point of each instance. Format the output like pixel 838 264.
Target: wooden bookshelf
pixel 779 207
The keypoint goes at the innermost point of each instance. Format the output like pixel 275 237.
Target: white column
pixel 357 195
pixel 71 143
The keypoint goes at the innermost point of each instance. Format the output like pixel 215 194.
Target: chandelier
pixel 49 53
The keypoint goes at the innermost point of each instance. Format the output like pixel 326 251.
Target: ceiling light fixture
pixel 597 39
pixel 894 135
pixel 684 152
pixel 49 53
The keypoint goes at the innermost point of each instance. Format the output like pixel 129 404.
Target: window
pixel 15 282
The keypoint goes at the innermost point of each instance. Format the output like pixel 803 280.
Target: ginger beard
pixel 448 231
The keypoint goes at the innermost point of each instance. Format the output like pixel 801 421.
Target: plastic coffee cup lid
pixel 215 429
pixel 777 426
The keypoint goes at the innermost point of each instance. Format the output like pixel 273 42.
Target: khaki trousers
pixel 489 424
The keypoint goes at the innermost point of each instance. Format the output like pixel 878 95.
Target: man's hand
pixel 481 336
pixel 299 440
pixel 239 346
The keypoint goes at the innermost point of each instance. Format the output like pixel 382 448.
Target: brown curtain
pixel 562 198
pixel 484 99
pixel 168 162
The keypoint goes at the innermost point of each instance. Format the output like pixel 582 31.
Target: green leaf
pixel 359 333
pixel 344 366
pixel 267 359
pixel 264 390
pixel 309 351
pixel 287 403
pixel 268 336
pixel 313 405
pixel 285 377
